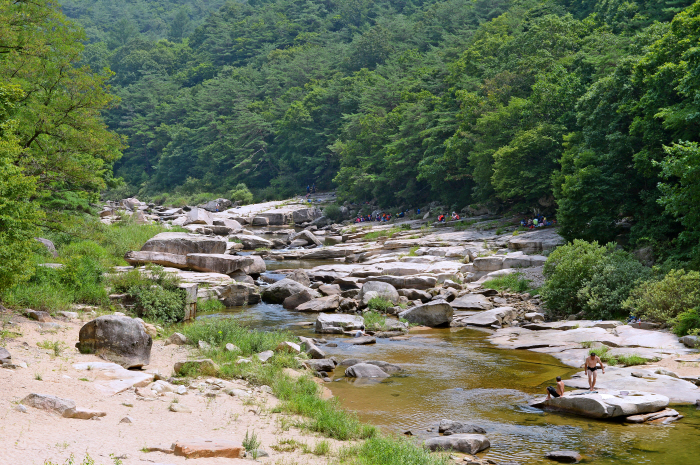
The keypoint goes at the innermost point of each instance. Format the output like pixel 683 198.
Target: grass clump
pixel 390 451
pixel 412 251
pixel 156 293
pixel 380 304
pixel 388 233
pixel 211 305
pixel 614 360
pixel 374 320
pixel 55 346
pixel 251 444
pixel 512 282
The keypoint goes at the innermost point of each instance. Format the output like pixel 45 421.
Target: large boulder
pixel 198 216
pixel 218 263
pixel 491 263
pixel 372 289
pixel 337 323
pixel 472 302
pixel 260 221
pixel 137 258
pixel 293 301
pixel 434 313
pixel 365 370
pixel 252 242
pixel 306 215
pixel 300 276
pixel 282 289
pixel 217 205
pixel 116 338
pixel 307 236
pixel 258 266
pixel 609 404
pixel 496 316
pixel 49 245
pixel 324 304
pixel 183 243
pixel 236 294
pixel 467 443
pixel 232 225
pixel 275 218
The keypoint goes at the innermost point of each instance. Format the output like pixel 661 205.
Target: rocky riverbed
pixel 448 348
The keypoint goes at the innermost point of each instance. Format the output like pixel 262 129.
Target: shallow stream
pixel 456 374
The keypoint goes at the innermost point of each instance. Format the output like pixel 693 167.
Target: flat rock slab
pixel 472 302
pixel 217 263
pixel 678 391
pixel 137 258
pixel 201 448
pixel 496 316
pixel 184 243
pixel 111 379
pixel 605 403
pixel 324 304
pixel 467 443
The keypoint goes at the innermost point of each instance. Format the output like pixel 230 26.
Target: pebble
pixel 21 408
pixel 179 408
pixel 126 420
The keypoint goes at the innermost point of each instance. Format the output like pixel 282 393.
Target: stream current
pixel 456 374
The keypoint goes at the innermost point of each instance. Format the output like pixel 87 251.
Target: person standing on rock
pixel 556 392
pixel 591 364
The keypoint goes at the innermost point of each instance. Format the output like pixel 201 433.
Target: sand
pixel 38 436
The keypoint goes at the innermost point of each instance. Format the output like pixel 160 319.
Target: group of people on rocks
pixel 377 217
pixel 539 221
pixel 442 219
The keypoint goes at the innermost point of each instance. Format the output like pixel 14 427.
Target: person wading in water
pixel 591 365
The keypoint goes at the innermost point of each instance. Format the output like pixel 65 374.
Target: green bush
pixel 156 293
pixel 241 194
pixel 211 305
pixel 595 279
pixel 333 212
pixel 687 322
pixel 663 300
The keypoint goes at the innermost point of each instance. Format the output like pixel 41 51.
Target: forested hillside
pixel 586 109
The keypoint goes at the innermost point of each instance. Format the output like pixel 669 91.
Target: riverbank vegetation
pixel 299 394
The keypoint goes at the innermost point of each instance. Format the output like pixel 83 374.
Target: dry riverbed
pixel 35 436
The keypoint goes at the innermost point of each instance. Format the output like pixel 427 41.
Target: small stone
pixel 126 420
pixel 203 345
pixel 237 392
pixel 21 408
pixel 259 453
pixel 232 348
pixel 179 408
pixel 637 374
pixel 265 356
pixel 177 339
pixel 126 404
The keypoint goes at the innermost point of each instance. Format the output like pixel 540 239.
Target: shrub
pixel 595 279
pixel 241 194
pixel 687 322
pixel 155 292
pixel 333 212
pixel 379 304
pixel 374 320
pixel 664 300
pixel 567 270
pixel 612 281
pixel 211 305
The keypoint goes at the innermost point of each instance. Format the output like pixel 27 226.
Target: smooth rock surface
pixel 365 370
pixel 496 316
pixel 119 339
pixel 276 293
pixel 434 313
pixel 472 302
pixel 218 263
pixel 324 304
pixel 449 427
pixel 384 290
pixel 467 443
pixel 338 323
pixel 605 403
pixel 183 243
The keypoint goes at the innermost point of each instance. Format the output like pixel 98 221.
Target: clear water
pixel 458 375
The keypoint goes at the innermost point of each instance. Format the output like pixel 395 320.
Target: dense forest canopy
pixel 584 109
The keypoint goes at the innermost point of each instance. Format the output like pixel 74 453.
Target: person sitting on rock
pixel 441 218
pixel 556 392
pixel 591 364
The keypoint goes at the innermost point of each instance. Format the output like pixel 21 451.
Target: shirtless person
pixel 556 392
pixel 591 365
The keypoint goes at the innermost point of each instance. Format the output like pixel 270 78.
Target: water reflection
pixel 456 374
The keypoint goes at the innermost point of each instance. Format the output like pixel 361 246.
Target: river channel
pixel 457 374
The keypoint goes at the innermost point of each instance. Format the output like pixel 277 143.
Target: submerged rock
pixel 365 370
pixel 449 427
pixel 564 456
pixel 467 443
